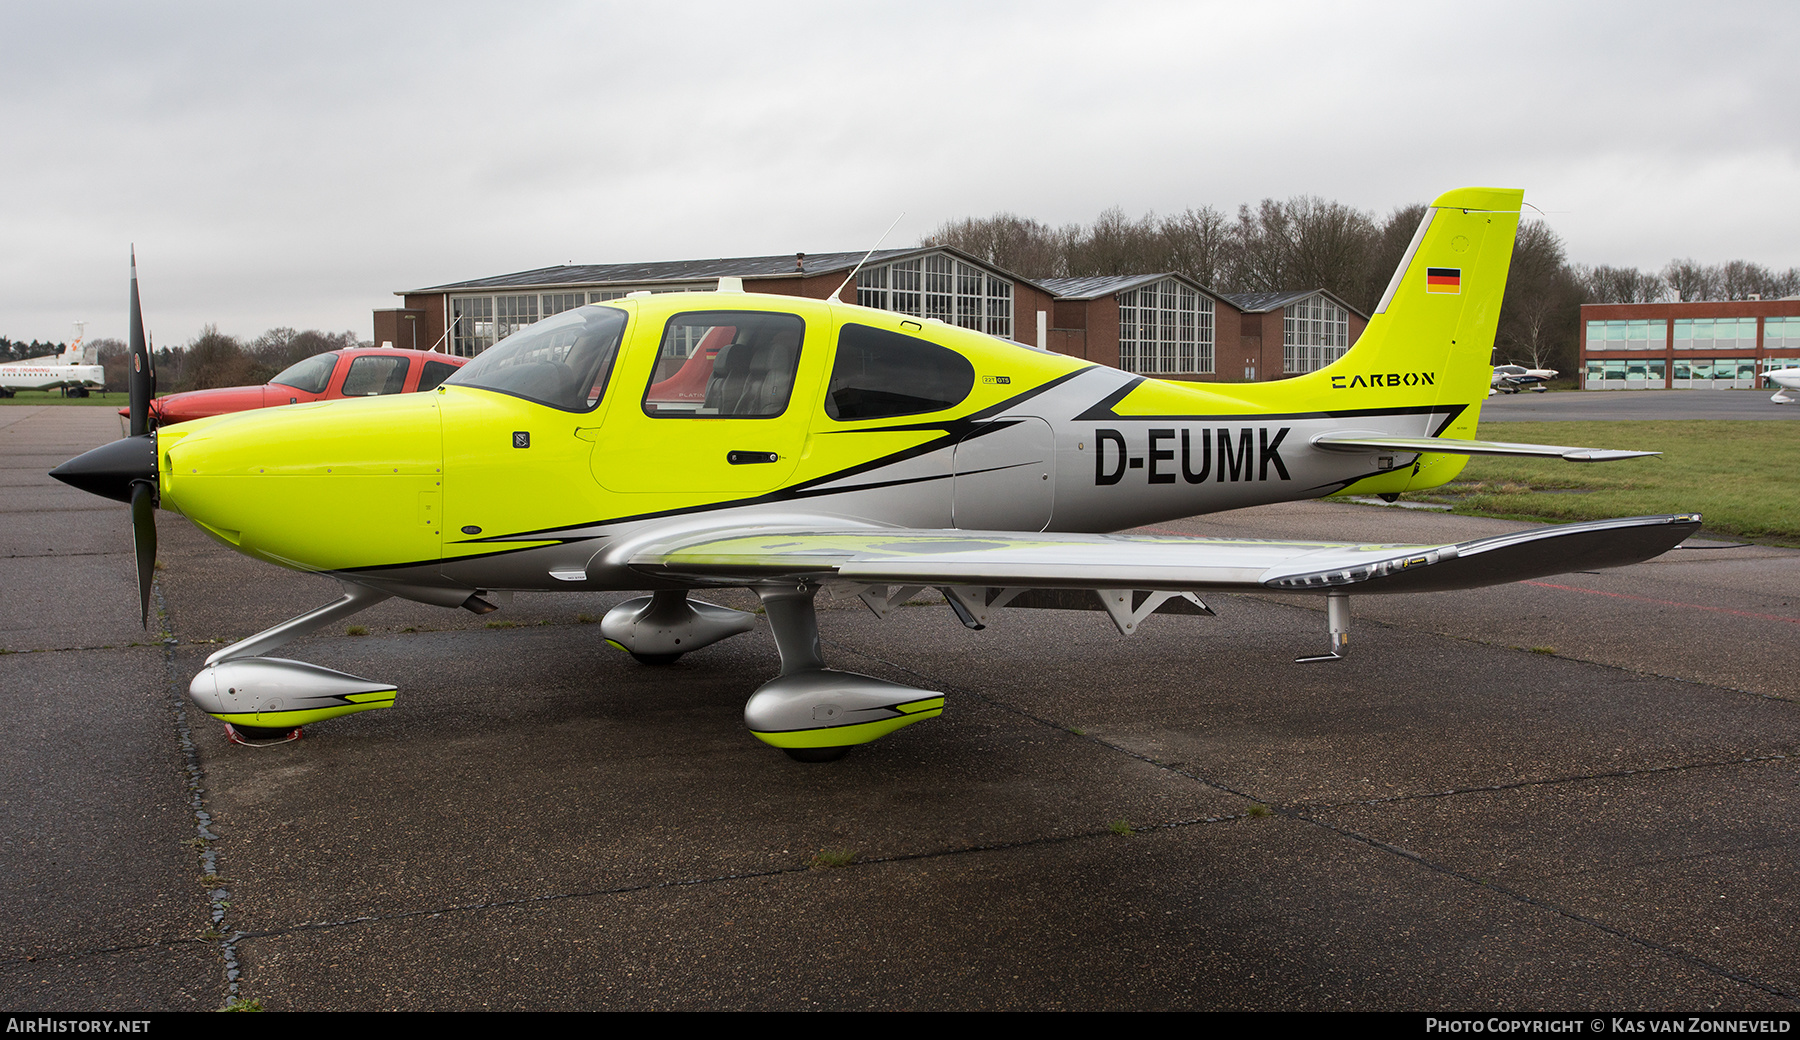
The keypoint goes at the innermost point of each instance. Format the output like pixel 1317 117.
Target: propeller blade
pixel 143 375
pixel 143 540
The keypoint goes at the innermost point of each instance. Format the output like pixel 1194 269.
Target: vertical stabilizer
pixel 1431 338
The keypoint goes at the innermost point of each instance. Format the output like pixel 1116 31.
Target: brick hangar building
pixel 1165 325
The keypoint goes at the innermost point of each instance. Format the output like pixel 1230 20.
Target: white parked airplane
pixel 73 369
pixel 1510 379
pixel 1785 378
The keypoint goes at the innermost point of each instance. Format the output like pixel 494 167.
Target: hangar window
pixel 478 322
pixel 471 324
pixel 725 365
pixel 1314 333
pixel 556 303
pixel 880 374
pixel 940 286
pixel 563 362
pixel 1165 328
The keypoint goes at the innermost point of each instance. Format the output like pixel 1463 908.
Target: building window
pixel 1636 334
pixel 940 286
pixel 1314 333
pixel 1715 333
pixel 1165 328
pixel 1781 334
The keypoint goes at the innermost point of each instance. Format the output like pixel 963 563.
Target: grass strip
pixel 1744 476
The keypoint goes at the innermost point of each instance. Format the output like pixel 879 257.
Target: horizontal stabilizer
pixel 1352 441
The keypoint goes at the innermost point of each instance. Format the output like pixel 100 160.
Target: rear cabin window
pixel 725 365
pixel 880 374
pixel 375 374
pixel 435 373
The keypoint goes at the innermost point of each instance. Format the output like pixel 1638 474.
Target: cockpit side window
pixel 562 361
pixel 880 374
pixel 725 365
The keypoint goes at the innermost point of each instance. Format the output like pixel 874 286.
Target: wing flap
pixel 981 558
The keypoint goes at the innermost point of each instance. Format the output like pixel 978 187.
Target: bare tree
pixel 115 362
pixel 1263 243
pixel 1115 245
pixel 1011 242
pixel 1386 250
pixel 1303 243
pixel 1541 311
pixel 1331 247
pixel 214 359
pixel 1604 284
pixel 1197 243
pixel 1690 280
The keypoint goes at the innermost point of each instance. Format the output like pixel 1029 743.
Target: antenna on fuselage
pixel 865 259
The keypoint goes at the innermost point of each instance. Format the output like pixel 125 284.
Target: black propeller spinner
pixel 125 470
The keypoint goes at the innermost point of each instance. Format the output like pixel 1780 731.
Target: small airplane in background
pixel 354 372
pixel 1510 379
pixel 673 443
pixel 73 370
pixel 1786 379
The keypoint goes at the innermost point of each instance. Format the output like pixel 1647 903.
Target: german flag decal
pixel 1443 279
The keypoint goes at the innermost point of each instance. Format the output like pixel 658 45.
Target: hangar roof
pixel 784 265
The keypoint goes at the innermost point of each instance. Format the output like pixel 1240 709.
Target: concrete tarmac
pixel 1574 793
pixel 1636 404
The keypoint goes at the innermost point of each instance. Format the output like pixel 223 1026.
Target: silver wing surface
pixel 874 556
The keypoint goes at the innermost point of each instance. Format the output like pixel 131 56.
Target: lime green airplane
pixel 673 443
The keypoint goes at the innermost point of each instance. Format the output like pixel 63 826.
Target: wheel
pixel 817 754
pixel 78 391
pixel 655 660
pixel 244 734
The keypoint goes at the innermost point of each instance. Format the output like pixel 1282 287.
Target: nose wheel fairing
pixel 276 693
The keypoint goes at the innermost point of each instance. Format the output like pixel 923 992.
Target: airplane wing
pixel 875 556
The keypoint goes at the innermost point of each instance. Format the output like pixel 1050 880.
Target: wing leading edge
pixel 871 556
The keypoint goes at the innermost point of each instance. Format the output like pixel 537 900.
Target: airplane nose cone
pixel 111 469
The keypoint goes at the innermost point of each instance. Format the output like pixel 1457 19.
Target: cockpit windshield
pixel 562 361
pixel 310 375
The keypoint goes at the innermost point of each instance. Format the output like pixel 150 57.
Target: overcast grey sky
pixel 296 164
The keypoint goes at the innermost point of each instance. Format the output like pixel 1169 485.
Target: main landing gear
pixel 811 712
pixel 657 629
pixel 815 713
